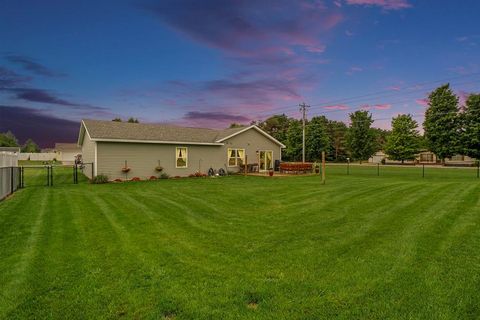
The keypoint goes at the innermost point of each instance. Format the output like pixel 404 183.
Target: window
pixel 236 157
pixel 181 160
pixel 426 157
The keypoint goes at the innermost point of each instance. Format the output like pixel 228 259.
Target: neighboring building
pixel 10 149
pixel 66 152
pixel 460 160
pixel 426 157
pixel 378 157
pixel 179 150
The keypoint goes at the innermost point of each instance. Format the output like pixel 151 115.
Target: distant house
pixel 10 149
pixel 180 151
pixel 460 160
pixel 66 152
pixel 377 157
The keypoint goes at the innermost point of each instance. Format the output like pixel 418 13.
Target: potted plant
pixel 270 172
pixel 159 168
pixel 125 169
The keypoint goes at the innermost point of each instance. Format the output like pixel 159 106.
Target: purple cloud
pixel 9 78
pixel 43 96
pixel 240 27
pixel 215 116
pixel 385 4
pixel 32 123
pixel 33 66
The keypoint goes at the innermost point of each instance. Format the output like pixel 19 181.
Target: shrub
pixel 135 179
pixel 118 180
pixel 164 176
pixel 152 178
pixel 177 177
pixel 99 179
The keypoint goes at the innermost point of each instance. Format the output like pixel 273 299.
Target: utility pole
pixel 303 110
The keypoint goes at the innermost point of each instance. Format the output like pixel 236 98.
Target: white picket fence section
pixel 8 160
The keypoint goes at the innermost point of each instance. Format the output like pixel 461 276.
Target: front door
pixel 265 160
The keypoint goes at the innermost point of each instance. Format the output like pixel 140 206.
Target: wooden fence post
pixel 246 166
pixel 323 167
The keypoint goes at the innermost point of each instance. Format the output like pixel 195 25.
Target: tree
pixel 133 120
pixel 276 126
pixel 381 137
pixel 293 151
pixel 471 127
pixel 441 123
pixel 30 147
pixel 361 138
pixel 403 143
pixel 117 120
pixel 8 139
pixel 236 125
pixel 317 139
pixel 337 132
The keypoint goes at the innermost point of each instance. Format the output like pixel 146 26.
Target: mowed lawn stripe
pixel 358 247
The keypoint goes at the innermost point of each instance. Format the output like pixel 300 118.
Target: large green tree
pixel 361 137
pixel 442 123
pixel 30 146
pixel 337 132
pixel 316 138
pixel 471 127
pixel 8 139
pixel 403 142
pixel 293 143
pixel 277 126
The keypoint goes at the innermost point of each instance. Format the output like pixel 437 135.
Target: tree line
pixel 8 139
pixel 449 129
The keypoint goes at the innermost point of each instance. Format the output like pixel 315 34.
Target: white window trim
pixel 236 158
pixel 186 157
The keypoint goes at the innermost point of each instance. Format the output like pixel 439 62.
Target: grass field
pixel 394 246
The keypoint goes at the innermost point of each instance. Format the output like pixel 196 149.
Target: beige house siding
pixel 252 141
pixel 88 155
pixel 142 158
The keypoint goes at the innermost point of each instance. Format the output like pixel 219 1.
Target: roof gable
pixel 252 127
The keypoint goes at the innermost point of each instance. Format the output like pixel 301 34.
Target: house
pixel 10 149
pixel 426 157
pixel 377 157
pixel 180 151
pixel 460 161
pixel 66 152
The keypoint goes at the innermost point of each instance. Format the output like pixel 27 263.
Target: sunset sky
pixel 211 63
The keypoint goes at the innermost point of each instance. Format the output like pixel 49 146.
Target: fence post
pixel 378 169
pixel 323 167
pixel 423 171
pixel 478 168
pixel 11 180
pixel 51 175
pixel 92 170
pixel 348 167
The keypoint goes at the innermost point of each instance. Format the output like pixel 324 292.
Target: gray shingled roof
pixel 99 129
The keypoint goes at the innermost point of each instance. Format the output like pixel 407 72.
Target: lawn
pixel 394 246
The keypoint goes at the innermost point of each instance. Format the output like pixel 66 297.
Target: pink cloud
pixel 353 70
pixel 382 106
pixel 336 107
pixel 422 102
pixel 394 88
pixel 385 4
pixel 337 3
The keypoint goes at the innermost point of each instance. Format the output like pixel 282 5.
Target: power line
pixel 381 94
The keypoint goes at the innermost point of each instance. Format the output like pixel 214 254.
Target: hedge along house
pixel 181 151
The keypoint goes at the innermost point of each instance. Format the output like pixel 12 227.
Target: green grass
pixel 395 246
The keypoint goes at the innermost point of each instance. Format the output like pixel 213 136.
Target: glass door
pixel 265 160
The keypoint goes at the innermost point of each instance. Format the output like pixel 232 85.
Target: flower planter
pixel 270 173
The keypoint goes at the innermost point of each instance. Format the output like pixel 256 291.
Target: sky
pixel 214 62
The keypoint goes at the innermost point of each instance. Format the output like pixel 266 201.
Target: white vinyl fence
pixel 44 156
pixel 9 173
